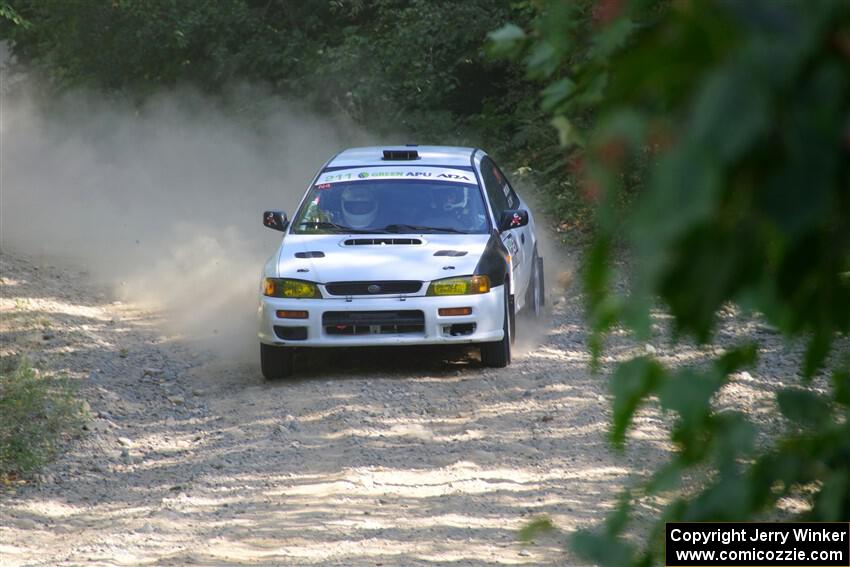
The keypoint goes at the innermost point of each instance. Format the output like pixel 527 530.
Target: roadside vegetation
pixel 38 414
pixel 707 142
pixel 39 410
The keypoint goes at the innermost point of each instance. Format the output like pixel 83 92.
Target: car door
pixel 502 198
pixel 527 241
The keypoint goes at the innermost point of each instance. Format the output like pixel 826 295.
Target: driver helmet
pixel 454 198
pixel 359 206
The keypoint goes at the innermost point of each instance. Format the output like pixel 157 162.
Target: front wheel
pixel 275 361
pixel 498 354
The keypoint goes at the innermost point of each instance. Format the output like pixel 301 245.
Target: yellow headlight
pixel 460 286
pixel 297 289
pixel 450 287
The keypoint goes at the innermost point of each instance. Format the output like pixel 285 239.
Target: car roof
pixel 428 155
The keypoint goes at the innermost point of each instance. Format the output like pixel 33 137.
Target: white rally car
pixel 409 245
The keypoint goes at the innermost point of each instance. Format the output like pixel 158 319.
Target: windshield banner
pixel 377 173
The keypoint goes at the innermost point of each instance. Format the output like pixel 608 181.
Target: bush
pixel 37 414
pixel 723 127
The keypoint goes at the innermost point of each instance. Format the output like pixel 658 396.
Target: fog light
pixel 454 311
pixel 291 314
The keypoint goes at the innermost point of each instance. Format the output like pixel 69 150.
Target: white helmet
pixel 454 198
pixel 359 206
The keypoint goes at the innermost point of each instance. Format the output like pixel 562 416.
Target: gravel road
pixel 370 457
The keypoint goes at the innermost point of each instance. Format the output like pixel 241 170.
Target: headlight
pixel 282 287
pixel 467 285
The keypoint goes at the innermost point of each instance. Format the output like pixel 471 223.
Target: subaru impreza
pixel 409 245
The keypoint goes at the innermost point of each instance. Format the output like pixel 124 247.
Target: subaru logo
pixel 373 288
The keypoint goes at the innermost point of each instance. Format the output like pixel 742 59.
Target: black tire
pixel 275 362
pixel 498 354
pixel 512 316
pixel 535 296
pixel 541 281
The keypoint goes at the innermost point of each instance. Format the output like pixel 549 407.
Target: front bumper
pixel 484 324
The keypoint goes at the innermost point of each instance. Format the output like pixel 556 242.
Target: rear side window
pixel 499 192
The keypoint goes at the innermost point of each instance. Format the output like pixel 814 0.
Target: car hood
pixel 339 257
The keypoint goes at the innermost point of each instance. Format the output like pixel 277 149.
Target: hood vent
pixel 452 253
pixel 400 155
pixel 382 241
pixel 311 254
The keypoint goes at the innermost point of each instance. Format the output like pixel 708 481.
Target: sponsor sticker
pixel 373 173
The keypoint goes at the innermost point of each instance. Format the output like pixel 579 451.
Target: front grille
pixel 373 322
pixel 373 288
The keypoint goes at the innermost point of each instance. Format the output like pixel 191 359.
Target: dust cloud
pixel 559 268
pixel 162 201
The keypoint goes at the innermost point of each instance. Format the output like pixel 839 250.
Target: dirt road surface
pixel 371 457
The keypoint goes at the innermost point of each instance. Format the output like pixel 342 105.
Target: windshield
pixel 391 204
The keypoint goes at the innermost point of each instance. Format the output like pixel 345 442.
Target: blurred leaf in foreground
pixel 716 150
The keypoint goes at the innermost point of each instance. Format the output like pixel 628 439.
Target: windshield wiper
pixel 341 228
pixel 419 228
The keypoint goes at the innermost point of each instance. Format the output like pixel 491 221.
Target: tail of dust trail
pixel 162 200
pixel 559 266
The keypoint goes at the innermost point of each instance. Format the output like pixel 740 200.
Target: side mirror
pixel 513 219
pixel 275 220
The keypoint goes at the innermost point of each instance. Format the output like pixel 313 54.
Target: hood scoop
pixel 452 253
pixel 311 254
pixel 382 242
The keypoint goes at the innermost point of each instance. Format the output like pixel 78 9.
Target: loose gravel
pixel 370 457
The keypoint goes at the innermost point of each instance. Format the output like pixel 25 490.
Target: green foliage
pixel 602 546
pixel 36 414
pixel 631 383
pixel 734 118
pixel 10 15
pixel 134 46
pixel 384 62
pixel 534 528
